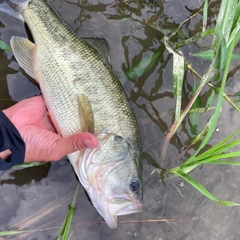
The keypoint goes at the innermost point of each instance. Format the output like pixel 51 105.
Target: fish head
pixel 111 174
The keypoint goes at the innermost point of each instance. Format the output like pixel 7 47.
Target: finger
pixel 5 154
pixel 74 143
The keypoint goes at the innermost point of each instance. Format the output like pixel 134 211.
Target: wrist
pixel 12 146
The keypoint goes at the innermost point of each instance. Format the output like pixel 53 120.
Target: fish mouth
pixel 129 209
pixel 119 203
pixel 117 207
pixel 110 216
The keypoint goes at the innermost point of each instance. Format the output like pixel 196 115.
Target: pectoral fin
pixel 85 114
pixel 24 52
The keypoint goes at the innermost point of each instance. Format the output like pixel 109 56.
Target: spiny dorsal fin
pixel 24 52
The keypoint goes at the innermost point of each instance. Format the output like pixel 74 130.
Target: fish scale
pixel 81 91
pixel 99 84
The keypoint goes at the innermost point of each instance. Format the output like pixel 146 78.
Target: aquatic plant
pixel 4 46
pixel 64 231
pixel 226 35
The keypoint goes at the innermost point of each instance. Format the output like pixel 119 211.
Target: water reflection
pixel 25 176
pixel 134 31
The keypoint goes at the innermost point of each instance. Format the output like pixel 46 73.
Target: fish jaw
pixel 105 181
pixel 109 209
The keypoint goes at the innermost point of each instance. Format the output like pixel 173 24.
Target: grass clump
pixel 226 35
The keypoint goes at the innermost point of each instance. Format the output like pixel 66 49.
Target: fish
pixel 82 93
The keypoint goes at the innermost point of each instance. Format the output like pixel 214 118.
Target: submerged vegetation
pixel 226 35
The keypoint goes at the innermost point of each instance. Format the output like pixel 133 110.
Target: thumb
pixel 74 143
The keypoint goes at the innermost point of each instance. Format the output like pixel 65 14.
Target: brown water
pixel 39 197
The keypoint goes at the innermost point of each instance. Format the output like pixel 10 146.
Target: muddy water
pixel 39 197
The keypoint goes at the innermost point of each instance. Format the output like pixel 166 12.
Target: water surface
pixel 39 197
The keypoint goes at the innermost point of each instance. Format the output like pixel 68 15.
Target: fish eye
pixel 134 185
pixel 118 138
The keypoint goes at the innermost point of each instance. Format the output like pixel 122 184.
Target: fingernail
pixel 88 143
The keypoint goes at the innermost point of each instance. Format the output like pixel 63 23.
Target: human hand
pixel 31 119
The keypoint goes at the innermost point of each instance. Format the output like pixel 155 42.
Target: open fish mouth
pixel 110 213
pixel 114 205
pixel 117 204
pixel 129 209
pixel 117 207
pixel 126 204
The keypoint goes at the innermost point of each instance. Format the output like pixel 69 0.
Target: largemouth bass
pixel 82 93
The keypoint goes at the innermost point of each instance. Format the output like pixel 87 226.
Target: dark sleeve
pixel 10 139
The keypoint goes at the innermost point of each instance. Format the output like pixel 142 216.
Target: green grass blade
pixel 205 15
pixel 226 16
pixel 209 55
pixel 200 135
pixel 221 156
pixel 188 169
pixel 208 155
pixel 201 110
pixel 235 33
pixel 210 99
pixel 236 17
pixel 194 38
pixel 223 142
pixel 4 46
pixel 223 49
pixel 70 236
pixel 9 233
pixel 64 231
pixel 235 36
pixel 178 75
pixel 226 163
pixel 214 158
pixel 203 190
pixel 213 150
pixel 195 118
pixel 70 215
pixel 32 164
pixel 196 185
pixel 144 65
pixel 216 151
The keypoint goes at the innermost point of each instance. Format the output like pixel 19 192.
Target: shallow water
pixel 39 197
